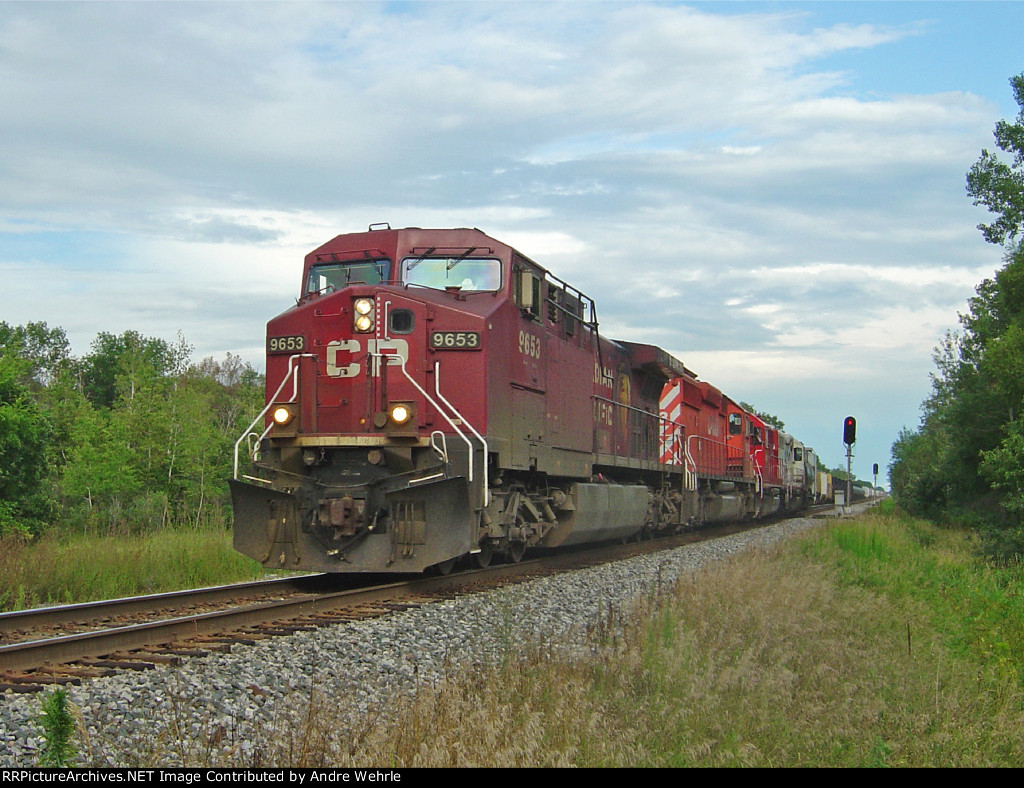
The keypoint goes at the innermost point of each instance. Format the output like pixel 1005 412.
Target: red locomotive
pixel 436 394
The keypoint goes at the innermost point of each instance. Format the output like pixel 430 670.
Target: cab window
pixel 330 277
pixel 465 273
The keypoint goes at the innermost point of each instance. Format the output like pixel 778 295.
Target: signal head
pixel 850 431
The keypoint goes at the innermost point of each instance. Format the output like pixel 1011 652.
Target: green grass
pixel 977 607
pixel 79 568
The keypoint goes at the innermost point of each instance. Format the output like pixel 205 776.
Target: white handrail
pixel 714 442
pixel 384 357
pixel 437 390
pixel 691 475
pixel 293 371
pixel 441 450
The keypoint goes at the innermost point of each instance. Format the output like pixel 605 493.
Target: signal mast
pixel 849 438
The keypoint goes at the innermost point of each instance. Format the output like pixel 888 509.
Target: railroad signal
pixel 850 431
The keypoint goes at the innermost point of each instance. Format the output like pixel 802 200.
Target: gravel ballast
pixel 210 702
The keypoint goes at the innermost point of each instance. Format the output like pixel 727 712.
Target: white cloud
pixel 717 169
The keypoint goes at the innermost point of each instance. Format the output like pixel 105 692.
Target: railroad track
pixel 38 649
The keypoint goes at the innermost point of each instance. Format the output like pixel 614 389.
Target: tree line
pixel 965 461
pixel 130 436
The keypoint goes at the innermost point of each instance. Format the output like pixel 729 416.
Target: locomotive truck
pixel 436 395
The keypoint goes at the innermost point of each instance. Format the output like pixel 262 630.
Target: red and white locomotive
pixel 436 394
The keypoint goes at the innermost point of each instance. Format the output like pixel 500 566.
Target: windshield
pixel 470 273
pixel 335 276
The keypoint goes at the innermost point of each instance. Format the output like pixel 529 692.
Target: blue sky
pixel 951 45
pixel 773 191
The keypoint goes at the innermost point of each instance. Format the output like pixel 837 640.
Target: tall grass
pixel 60 569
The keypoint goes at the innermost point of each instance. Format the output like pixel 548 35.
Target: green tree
pixel 131 436
pixel 1000 186
pixel 917 473
pixel 24 433
pixel 161 451
pixel 965 460
pixel 224 397
pixel 99 475
pixel 1004 467
pixel 120 364
pixel 977 395
pixel 46 349
pixel 768 418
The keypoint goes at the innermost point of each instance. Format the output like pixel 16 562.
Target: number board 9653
pixel 293 344
pixel 455 340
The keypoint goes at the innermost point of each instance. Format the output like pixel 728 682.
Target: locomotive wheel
pixel 445 567
pixel 483 558
pixel 516 550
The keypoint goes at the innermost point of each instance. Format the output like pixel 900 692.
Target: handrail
pixel 658 440
pixel 691 475
pixel 768 462
pixel 292 371
pixel 384 357
pixel 441 450
pixel 737 453
pixel 675 440
pixel 624 406
pixel 464 420
pixel 671 437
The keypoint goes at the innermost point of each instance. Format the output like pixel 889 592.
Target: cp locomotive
pixel 435 394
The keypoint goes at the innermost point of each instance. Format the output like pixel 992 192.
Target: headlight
pixel 281 415
pixel 363 321
pixel 399 419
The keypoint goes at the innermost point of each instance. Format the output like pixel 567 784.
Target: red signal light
pixel 850 431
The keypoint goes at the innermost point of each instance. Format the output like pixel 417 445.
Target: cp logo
pixel 376 350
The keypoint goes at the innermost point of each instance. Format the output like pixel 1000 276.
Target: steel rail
pixel 100 643
pixel 83 612
pixel 29 655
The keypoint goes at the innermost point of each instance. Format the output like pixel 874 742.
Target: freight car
pixel 436 394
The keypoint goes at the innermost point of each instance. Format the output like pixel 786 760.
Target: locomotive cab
pixel 371 454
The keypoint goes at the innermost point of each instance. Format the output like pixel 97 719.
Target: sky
pixel 773 192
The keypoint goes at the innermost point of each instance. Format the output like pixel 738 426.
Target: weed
pixel 58 726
